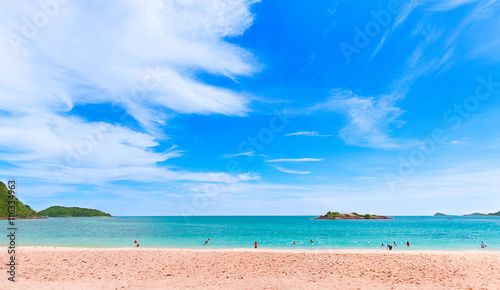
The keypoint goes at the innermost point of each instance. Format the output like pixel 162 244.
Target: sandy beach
pixel 134 268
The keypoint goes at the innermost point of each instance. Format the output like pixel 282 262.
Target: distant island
pixel 62 211
pixel 350 216
pixel 24 211
pixel 472 214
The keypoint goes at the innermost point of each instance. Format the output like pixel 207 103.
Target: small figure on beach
pixel 255 245
pixel 483 245
pixel 137 246
pixel 389 247
pixel 407 243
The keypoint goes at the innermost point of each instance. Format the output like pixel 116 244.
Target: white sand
pixel 143 268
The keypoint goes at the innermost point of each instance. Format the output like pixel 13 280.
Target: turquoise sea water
pixel 437 233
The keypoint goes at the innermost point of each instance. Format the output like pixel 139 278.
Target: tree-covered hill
pixel 61 211
pixel 22 210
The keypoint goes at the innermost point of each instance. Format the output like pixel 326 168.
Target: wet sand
pixel 143 268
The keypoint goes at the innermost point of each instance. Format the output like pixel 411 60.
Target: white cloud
pixel 139 55
pixel 291 171
pixel 442 47
pixel 403 14
pixel 369 119
pixel 294 160
pixel 480 42
pixel 461 141
pixel 110 56
pixel 249 153
pixel 450 187
pixel 307 133
pixel 451 4
pixel 484 11
pixel 410 6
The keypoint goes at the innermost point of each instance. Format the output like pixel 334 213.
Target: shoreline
pixel 265 250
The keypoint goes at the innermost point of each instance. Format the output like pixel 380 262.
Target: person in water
pixel 255 245
pixel 389 247
pixel 382 244
pixel 311 242
pixel 483 245
pixel 395 244
pixel 407 243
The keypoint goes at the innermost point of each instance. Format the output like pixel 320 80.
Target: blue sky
pixel 252 108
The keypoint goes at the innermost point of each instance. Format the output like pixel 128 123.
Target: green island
pixel 23 211
pixel 350 216
pixel 62 211
pixel 471 215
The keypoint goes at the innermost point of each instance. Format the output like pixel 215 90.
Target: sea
pixel 272 232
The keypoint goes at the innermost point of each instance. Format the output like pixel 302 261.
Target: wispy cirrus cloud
pixel 403 14
pixel 307 133
pixel 291 171
pixel 249 153
pixel 482 11
pixel 372 118
pixel 484 44
pixel 460 141
pixel 294 160
pixel 462 42
pixel 369 119
pixel 451 4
